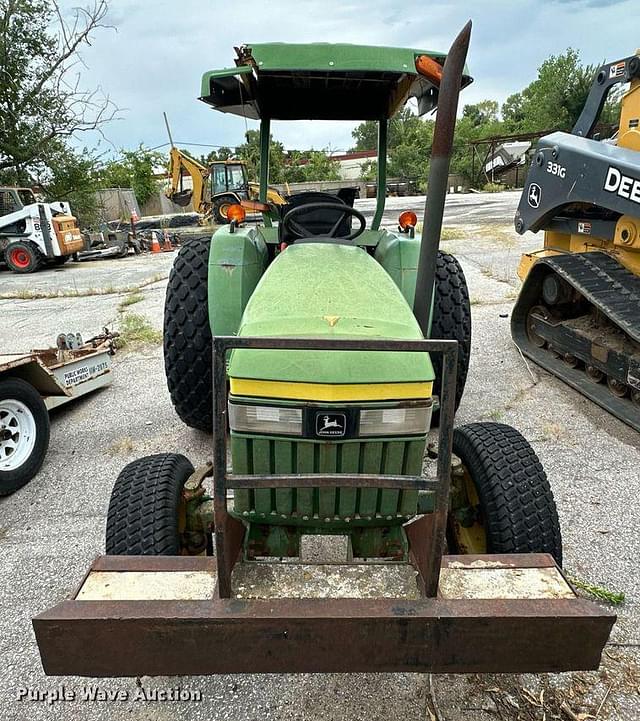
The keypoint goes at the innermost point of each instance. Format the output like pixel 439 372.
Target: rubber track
pixel 611 289
pixel 451 318
pixel 606 283
pixel 187 336
pixel 520 511
pixel 143 510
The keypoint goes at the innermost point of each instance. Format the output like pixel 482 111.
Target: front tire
pixel 145 513
pixel 187 336
pixel 24 434
pixel 23 257
pixel 510 507
pixel 451 321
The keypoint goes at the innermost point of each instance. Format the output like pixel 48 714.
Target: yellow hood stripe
pixel 330 391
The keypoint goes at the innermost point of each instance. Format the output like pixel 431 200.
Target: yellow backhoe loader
pixel 214 188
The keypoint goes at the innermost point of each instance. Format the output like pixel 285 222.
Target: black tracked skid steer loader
pixel 578 313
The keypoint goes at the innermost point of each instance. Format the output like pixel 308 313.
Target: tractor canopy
pixel 325 81
pixel 329 291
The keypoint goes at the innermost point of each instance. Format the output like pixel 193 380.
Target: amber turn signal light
pixel 408 219
pixel 236 212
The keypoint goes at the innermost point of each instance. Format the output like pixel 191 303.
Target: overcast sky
pixel 155 58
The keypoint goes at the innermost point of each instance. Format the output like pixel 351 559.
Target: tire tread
pixel 187 336
pixel 520 511
pixel 143 510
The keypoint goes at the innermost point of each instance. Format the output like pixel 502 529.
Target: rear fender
pixel 398 255
pixel 237 261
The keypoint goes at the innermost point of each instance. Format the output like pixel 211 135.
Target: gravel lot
pixel 52 529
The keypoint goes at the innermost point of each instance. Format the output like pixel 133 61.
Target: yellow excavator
pixel 215 187
pixel 578 313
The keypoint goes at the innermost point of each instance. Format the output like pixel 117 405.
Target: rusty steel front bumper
pixel 135 616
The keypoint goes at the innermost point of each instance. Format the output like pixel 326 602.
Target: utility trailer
pixel 320 356
pixel 31 384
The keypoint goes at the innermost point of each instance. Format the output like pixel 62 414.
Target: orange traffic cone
pixel 166 246
pixel 155 246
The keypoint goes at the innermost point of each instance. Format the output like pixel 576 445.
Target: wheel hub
pixel 17 434
pixel 20 258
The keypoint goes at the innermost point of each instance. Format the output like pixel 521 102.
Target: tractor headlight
pixel 395 421
pixel 265 419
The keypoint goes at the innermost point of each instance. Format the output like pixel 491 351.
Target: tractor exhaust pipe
pixel 438 176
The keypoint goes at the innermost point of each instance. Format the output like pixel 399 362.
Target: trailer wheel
pixel 24 434
pixel 187 336
pixel 451 321
pixel 146 512
pixel 504 500
pixel 23 257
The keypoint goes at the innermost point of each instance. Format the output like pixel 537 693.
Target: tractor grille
pixel 278 456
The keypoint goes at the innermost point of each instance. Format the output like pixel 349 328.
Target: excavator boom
pixel 198 194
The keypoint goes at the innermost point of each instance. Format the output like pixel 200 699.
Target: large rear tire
pixel 451 321
pixel 24 434
pixel 187 336
pixel 145 514
pixel 511 508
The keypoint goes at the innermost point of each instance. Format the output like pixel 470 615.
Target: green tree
pixel 41 105
pixel 222 153
pixel 409 140
pixel 319 166
pixel 134 169
pixel 73 177
pixel 479 120
pixel 554 100
pixel 249 151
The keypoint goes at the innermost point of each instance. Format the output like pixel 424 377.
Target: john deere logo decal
pixel 331 424
pixel 535 195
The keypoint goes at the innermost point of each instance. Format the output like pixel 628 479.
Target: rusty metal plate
pixel 319 635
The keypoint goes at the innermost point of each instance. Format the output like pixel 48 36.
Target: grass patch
pixel 131 299
pixel 493 187
pixel 553 431
pixel 615 598
pixel 26 294
pixel 449 233
pixel 122 445
pixel 135 330
pixel 496 415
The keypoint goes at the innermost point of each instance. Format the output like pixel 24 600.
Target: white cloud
pixel 161 48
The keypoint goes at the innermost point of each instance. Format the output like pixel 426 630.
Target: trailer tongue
pixel 327 431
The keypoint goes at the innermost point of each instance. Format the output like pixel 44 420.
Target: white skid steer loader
pixel 33 233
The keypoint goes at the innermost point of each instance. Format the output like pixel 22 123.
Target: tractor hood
pixel 336 291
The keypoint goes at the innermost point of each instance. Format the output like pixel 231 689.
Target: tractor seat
pixel 318 222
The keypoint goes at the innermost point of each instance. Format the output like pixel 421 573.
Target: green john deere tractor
pixel 320 351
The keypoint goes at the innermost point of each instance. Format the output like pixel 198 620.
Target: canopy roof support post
pixel 265 136
pixel 381 192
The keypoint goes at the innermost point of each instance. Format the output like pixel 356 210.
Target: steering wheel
pixel 297 229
